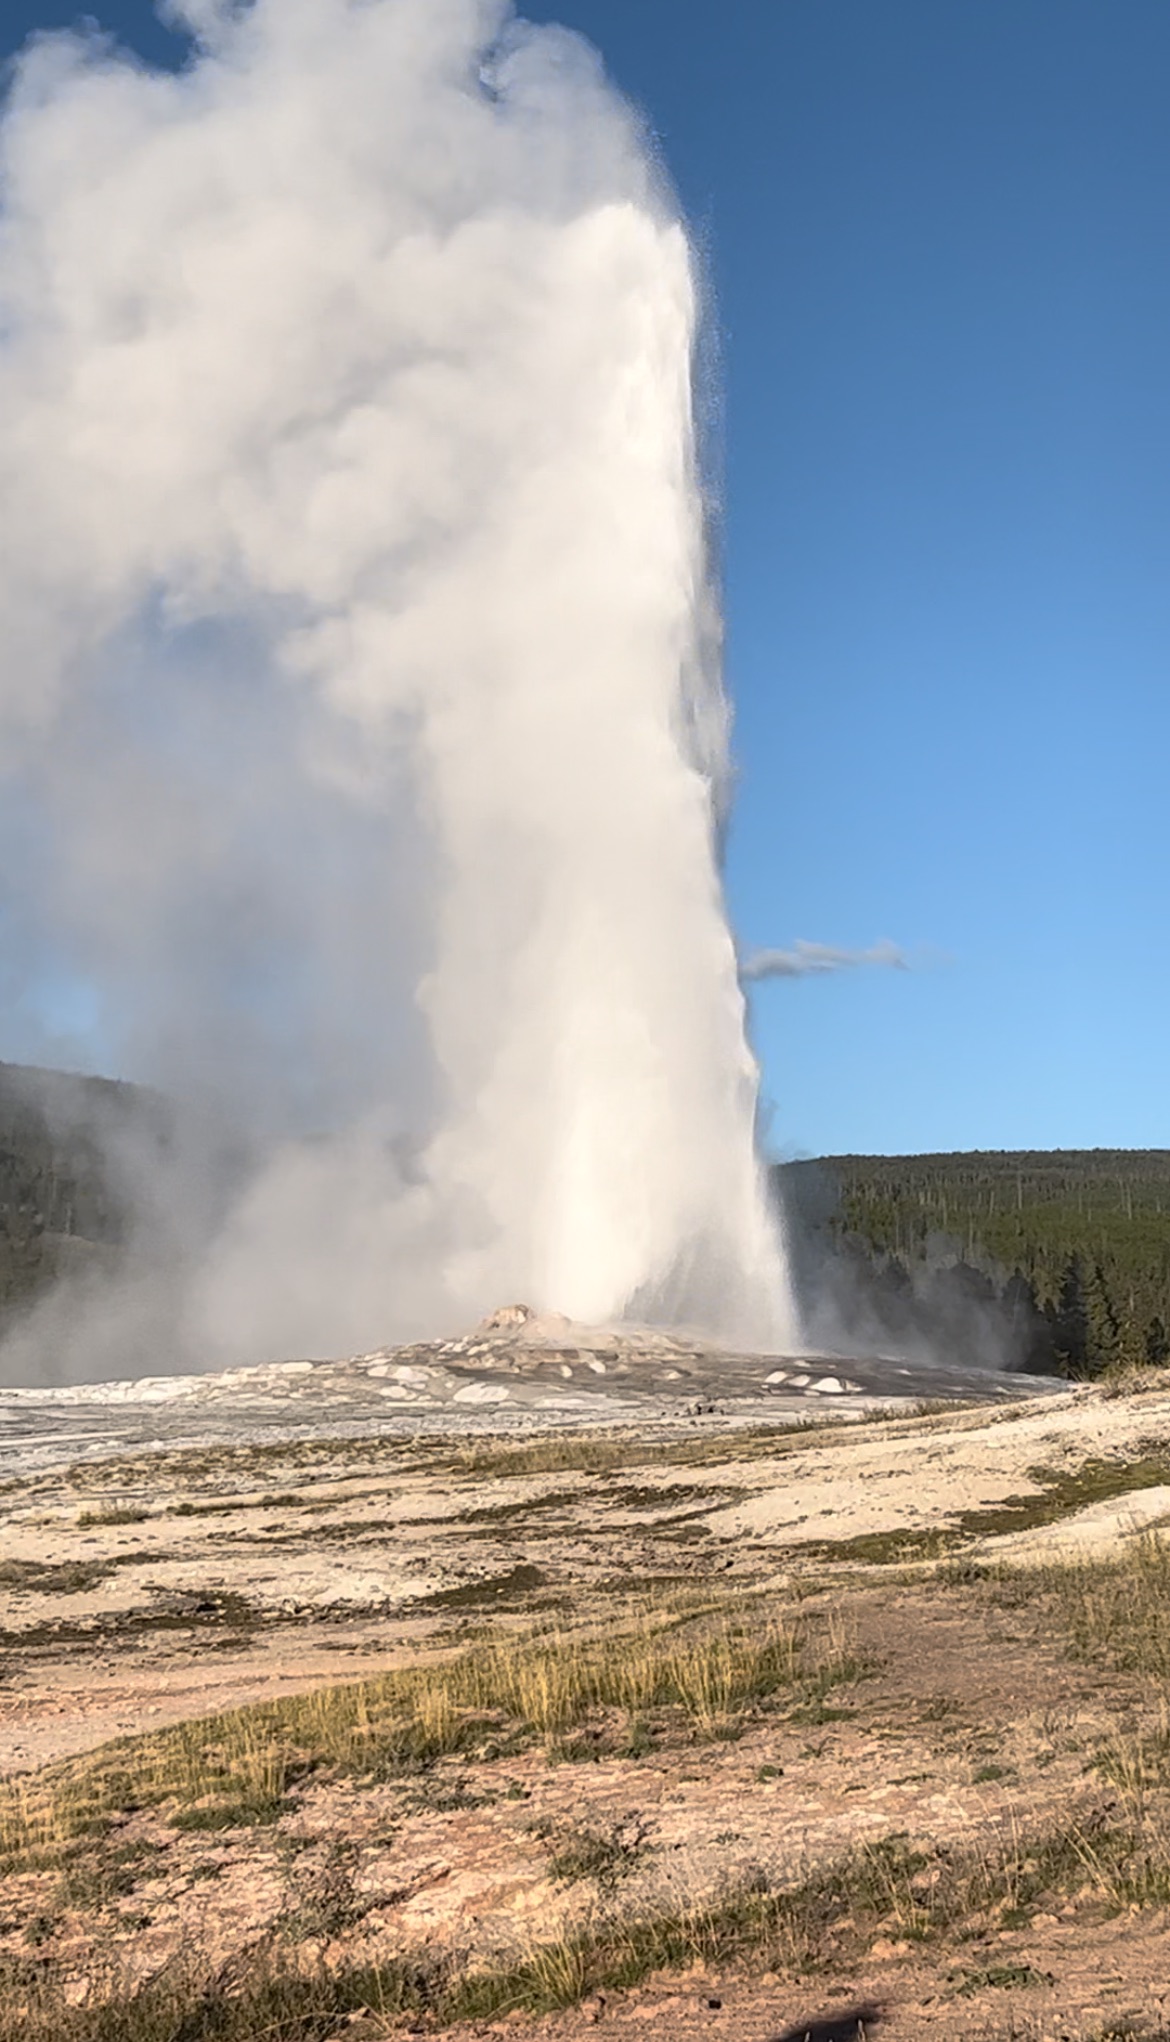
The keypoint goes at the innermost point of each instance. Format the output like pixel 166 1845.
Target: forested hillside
pixel 58 1206
pixel 1069 1250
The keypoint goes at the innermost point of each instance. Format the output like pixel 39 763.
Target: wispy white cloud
pixel 809 960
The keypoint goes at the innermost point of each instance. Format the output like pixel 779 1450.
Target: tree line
pixel 1071 1248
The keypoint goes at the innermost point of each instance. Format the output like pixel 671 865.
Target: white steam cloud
pixel 362 742
pixel 810 960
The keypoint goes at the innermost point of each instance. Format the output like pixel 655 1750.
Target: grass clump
pixel 592 1454
pixel 1010 1977
pixel 1111 1608
pixel 259 1996
pixel 1114 1610
pixel 122 1513
pixel 701 1671
pixel 605 1856
pixel 246 1811
pixel 92 1878
pixel 69 1577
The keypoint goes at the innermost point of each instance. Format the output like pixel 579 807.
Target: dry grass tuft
pixel 886 1887
pixel 1111 1609
pixel 1116 1609
pixel 239 1767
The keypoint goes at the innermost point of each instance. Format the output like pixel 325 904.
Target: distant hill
pixel 1068 1249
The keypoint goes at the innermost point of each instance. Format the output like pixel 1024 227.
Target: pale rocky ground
pixel 265 1557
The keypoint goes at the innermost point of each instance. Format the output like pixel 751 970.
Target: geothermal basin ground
pixel 441 1691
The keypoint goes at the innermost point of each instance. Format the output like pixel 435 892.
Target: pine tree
pixel 1070 1330
pixel 1102 1330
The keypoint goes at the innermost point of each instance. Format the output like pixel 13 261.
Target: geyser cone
pixel 369 671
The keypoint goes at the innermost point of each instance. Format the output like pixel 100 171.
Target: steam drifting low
pixel 361 730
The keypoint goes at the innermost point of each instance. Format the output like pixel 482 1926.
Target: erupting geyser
pixel 363 734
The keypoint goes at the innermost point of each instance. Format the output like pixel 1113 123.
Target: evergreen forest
pixel 1061 1257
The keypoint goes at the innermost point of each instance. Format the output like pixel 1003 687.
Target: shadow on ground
pixel 853 2024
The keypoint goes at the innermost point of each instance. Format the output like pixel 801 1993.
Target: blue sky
pixel 940 240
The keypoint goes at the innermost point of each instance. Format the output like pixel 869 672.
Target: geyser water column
pixel 364 348
pixel 604 1116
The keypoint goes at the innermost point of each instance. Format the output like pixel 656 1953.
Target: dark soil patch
pixel 499 1589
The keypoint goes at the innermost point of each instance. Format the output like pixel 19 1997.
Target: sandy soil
pixel 155 1586
pixel 263 1569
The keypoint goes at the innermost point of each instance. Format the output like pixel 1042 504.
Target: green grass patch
pixel 66 1577
pixel 95 1876
pixel 122 1513
pixel 245 1812
pixel 1008 1977
pixel 517 1506
pixel 222 1618
pixel 605 1856
pixel 1060 1493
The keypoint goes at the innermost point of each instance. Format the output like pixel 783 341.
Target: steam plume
pixel 361 728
